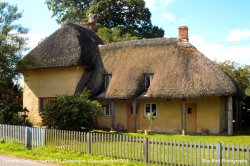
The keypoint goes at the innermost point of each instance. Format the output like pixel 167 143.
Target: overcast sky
pixel 218 28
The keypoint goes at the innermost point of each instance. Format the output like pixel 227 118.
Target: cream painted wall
pixel 210 114
pixel 48 83
pixel 168 115
pixel 120 113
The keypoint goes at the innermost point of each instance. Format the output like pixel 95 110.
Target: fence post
pixel 218 154
pixel 89 142
pixel 28 137
pixel 146 150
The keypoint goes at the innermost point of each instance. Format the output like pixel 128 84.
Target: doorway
pixel 191 117
pixel 130 117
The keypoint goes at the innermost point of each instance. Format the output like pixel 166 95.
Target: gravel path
pixel 15 161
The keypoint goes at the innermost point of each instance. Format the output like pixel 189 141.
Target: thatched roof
pixel 180 70
pixel 70 45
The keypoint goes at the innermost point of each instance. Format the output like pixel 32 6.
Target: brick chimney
pixel 183 33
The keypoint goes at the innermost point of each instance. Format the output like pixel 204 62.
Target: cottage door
pixel 191 115
pixel 130 116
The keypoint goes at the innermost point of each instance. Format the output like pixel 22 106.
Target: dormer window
pixel 147 79
pixel 107 78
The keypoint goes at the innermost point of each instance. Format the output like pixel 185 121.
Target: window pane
pixel 108 110
pixel 147 109
pixel 154 109
pixel 189 110
pixel 107 79
pixel 148 78
pixel 147 81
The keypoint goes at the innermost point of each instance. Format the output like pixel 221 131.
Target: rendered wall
pixel 208 113
pixel 168 115
pixel 120 113
pixel 211 114
pixel 48 83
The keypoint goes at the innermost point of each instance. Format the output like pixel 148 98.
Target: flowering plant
pixel 150 117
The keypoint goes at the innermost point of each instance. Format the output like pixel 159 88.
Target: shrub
pixel 71 112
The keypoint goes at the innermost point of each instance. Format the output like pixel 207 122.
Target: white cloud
pixel 150 4
pixel 34 39
pixel 238 35
pixel 169 16
pixel 157 4
pixel 222 52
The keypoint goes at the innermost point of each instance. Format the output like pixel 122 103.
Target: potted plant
pixel 150 117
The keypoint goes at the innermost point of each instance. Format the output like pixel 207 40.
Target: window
pixel 107 109
pixel 189 110
pixel 150 108
pixel 107 79
pixel 45 101
pixel 147 80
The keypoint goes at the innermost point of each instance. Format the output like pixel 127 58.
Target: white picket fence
pixel 148 150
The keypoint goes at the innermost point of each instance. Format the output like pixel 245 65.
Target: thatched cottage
pixel 168 77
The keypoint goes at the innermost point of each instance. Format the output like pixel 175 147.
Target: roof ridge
pixel 140 42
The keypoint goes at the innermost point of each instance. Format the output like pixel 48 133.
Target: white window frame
pixel 107 79
pixel 105 111
pixel 150 76
pixel 145 113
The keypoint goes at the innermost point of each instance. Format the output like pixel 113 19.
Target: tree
pixel 71 112
pixel 241 74
pixel 12 43
pixel 130 17
pixel 114 35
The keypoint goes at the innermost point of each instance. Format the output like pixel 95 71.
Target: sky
pixel 220 29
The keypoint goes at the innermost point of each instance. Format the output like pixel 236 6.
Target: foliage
pixel 150 117
pixel 131 18
pixel 71 112
pixel 241 74
pixel 114 35
pixel 12 43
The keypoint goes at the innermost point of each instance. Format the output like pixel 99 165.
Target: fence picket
pixel 238 154
pixel 243 153
pixel 232 153
pixel 150 150
pixel 228 148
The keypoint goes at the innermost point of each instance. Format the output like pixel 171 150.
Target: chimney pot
pixel 183 33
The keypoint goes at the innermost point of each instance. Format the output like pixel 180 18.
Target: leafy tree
pixel 114 35
pixel 71 112
pixel 130 18
pixel 12 43
pixel 241 74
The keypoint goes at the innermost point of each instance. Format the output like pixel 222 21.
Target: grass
pixel 54 149
pixel 60 156
pixel 240 137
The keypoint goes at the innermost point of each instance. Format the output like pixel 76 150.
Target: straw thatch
pixel 179 69
pixel 70 45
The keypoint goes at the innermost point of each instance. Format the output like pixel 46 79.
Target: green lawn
pixel 60 156
pixel 242 137
pixel 239 139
